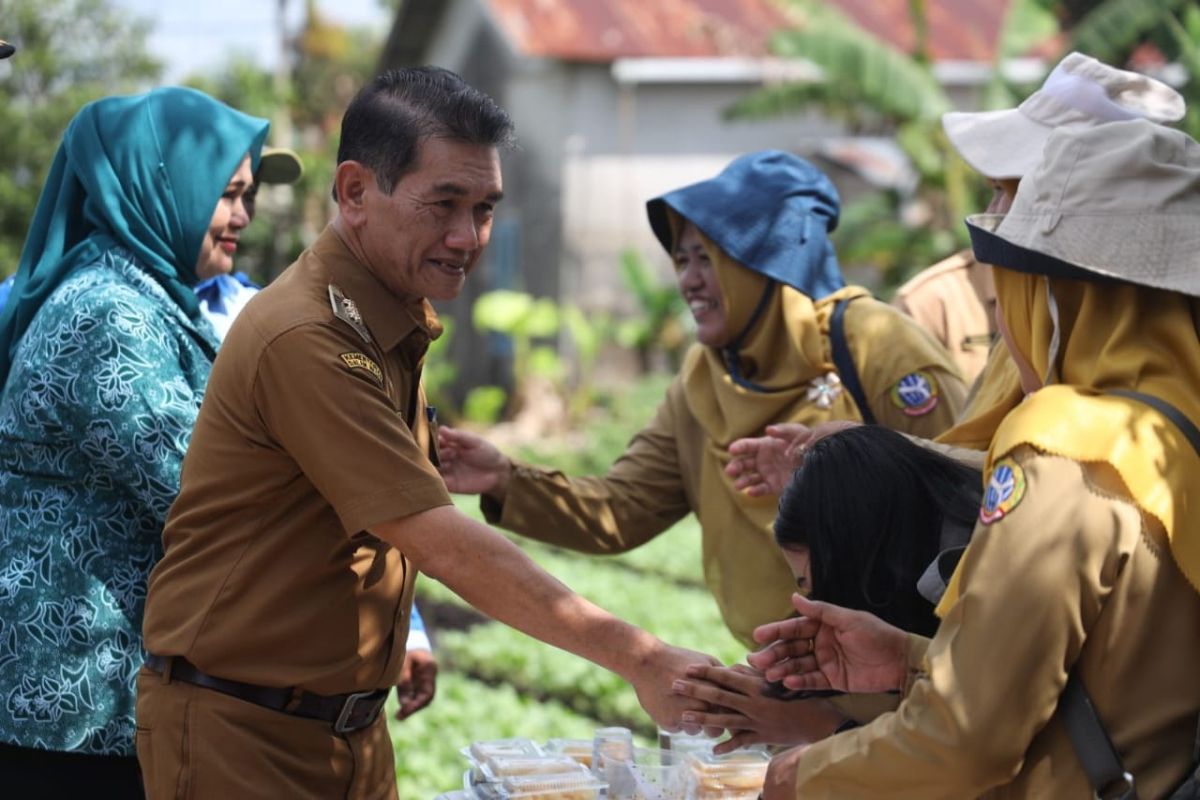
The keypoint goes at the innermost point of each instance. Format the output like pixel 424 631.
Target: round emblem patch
pixel 916 393
pixel 1004 491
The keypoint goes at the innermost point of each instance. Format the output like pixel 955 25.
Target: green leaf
pixel 544 361
pixel 1114 27
pixel 484 404
pixel 502 311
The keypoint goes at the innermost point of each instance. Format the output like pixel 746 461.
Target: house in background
pixel 617 101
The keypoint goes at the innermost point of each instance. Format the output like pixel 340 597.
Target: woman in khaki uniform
pixel 756 267
pixel 1086 560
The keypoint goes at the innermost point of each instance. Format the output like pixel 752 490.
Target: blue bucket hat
pixel 770 211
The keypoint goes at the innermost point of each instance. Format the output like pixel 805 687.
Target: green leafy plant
pixel 659 325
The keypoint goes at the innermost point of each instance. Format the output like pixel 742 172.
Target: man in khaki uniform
pixel 275 622
pixel 955 301
pixel 1086 559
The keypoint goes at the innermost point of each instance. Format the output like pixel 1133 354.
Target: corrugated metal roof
pixel 605 30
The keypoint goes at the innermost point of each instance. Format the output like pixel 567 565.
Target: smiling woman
pixel 104 356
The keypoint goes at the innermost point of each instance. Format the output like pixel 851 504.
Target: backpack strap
pixel 843 362
pixel 1090 740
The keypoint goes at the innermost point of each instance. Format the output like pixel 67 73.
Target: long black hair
pixel 870 505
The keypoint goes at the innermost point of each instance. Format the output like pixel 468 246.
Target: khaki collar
pixel 389 317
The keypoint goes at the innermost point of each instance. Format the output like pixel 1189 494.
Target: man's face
pixel 425 236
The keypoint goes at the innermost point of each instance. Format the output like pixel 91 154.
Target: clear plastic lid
pixel 735 775
pixel 575 786
pixel 649 774
pixel 481 751
pixel 496 768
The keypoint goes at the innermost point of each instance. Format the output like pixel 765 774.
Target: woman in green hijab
pixel 104 355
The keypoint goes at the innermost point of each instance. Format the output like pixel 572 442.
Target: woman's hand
pixel 735 700
pixel 472 465
pixel 781 775
pixel 830 647
pixel 763 465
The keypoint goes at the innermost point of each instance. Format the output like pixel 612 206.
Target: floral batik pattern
pixel 94 422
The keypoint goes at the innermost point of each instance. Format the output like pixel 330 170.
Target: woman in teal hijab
pixel 104 355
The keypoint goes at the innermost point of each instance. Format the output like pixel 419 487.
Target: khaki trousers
pixel 198 744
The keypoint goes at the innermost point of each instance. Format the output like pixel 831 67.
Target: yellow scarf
pixel 996 392
pixel 1111 337
pixel 786 349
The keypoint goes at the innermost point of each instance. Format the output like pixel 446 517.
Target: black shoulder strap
pixel 843 362
pixel 1090 740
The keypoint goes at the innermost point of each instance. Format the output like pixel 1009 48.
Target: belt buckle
pixel 341 725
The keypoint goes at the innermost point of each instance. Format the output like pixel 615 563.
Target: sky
pixel 196 35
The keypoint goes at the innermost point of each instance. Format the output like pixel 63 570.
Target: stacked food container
pixel 609 766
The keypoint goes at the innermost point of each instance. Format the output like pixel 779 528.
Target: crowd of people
pixel 959 551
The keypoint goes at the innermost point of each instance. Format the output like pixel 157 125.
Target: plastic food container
pixel 650 774
pixel 575 786
pixel 478 754
pixel 610 743
pixel 497 768
pixel 578 749
pixel 736 776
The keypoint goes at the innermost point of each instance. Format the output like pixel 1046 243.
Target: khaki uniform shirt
pixel 1073 574
pixel 955 300
pixel 312 430
pixel 656 482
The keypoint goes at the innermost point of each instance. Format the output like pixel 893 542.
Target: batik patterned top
pixel 94 422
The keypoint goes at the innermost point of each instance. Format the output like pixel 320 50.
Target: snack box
pixel 497 768
pixel 735 776
pixel 479 752
pixel 578 749
pixel 574 786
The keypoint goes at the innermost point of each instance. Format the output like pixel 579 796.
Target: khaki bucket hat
pixel 1118 202
pixel 279 165
pixel 1079 91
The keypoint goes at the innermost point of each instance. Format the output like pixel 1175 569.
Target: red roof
pixel 605 30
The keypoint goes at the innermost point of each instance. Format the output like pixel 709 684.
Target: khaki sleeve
pixel 975 459
pixel 1033 583
pixel 642 494
pixel 342 429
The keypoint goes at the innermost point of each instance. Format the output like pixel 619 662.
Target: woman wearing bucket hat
pixel 754 262
pixel 1002 146
pixel 1084 569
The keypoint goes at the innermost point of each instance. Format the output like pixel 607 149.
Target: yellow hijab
pixel 996 392
pixel 785 350
pixel 1111 337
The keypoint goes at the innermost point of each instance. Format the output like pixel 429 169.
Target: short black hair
pixel 385 122
pixel 870 506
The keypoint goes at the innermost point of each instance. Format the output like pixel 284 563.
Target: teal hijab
pixel 143 172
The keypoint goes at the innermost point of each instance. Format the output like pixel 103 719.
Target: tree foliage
pixel 69 53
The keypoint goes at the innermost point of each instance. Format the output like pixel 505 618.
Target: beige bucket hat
pixel 1079 91
pixel 1119 201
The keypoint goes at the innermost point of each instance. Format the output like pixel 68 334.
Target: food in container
pixel 479 752
pixel 497 768
pixel 575 786
pixel 578 749
pixel 736 776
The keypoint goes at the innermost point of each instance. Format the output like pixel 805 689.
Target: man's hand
pixel 735 700
pixel 418 682
pixel 653 682
pixel 472 465
pixel 830 647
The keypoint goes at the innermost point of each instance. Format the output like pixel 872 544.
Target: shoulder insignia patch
pixel 916 393
pixel 362 361
pixel 1004 491
pixel 347 311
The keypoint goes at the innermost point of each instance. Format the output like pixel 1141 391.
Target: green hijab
pixel 143 172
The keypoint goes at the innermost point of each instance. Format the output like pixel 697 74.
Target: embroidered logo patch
pixel 1004 491
pixel 360 361
pixel 916 393
pixel 823 390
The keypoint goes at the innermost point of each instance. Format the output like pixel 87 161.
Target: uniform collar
pixel 391 318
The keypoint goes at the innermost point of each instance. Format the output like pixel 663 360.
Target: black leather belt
pixel 345 712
